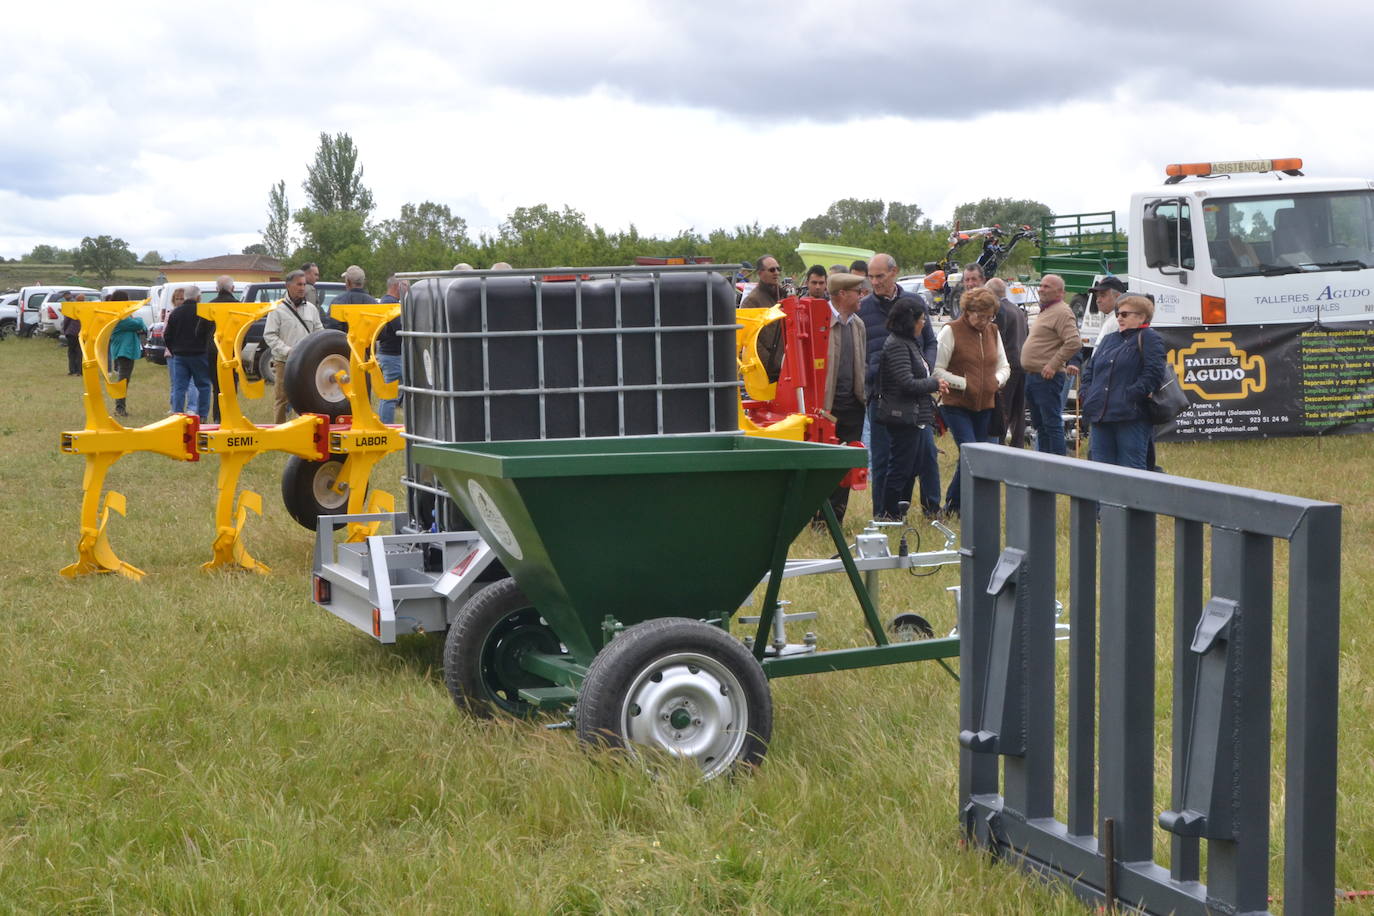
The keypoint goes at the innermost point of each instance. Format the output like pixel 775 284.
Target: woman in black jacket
pixel 905 406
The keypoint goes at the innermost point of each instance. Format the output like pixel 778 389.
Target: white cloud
pixel 166 125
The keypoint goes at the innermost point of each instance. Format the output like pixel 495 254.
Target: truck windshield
pixel 1259 236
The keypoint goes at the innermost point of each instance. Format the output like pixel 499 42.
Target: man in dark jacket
pixel 1013 325
pixel 873 309
pixel 186 343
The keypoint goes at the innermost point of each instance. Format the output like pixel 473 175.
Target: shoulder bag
pixel 1168 400
pixel 891 412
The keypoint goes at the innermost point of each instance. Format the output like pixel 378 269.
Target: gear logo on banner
pixel 1215 369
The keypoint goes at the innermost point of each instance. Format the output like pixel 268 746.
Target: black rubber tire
pixel 306 489
pixel 908 627
pixel 6 328
pixel 657 670
pixel 482 649
pixel 309 374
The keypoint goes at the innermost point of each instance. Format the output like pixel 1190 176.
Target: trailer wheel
pixel 310 381
pixel 307 489
pixel 483 648
pixel 682 686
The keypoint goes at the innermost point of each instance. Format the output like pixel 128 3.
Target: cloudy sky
pixel 166 124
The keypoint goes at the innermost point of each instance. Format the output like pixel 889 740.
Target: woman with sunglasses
pixel 1125 368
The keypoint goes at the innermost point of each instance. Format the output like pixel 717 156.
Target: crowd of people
pixel 892 381
pixel 988 368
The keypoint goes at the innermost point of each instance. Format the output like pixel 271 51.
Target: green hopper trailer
pixel 629 557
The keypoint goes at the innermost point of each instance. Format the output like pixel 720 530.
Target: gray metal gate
pixel 1222 667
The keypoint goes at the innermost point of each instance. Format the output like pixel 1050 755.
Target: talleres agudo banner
pixel 1250 381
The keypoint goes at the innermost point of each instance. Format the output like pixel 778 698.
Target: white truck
pixel 1263 283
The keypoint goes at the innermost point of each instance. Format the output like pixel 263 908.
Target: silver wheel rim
pixel 691 706
pixel 323 486
pixel 326 382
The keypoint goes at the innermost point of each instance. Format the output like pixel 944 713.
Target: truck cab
pixel 1254 242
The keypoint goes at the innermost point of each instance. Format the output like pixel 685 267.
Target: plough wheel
pixel 683 686
pixel 483 648
pixel 311 381
pixel 307 489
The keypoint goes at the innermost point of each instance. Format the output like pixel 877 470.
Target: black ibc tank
pixel 514 356
pixel 517 357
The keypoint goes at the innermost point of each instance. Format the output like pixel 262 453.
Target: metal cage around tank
pixel 553 353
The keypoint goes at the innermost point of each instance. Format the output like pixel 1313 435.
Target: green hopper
pixel 629 557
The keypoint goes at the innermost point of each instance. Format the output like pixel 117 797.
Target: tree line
pixel 336 228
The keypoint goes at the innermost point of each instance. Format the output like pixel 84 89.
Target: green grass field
pixel 15 275
pixel 214 743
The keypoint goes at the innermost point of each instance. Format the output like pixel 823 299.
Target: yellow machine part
pixel 753 365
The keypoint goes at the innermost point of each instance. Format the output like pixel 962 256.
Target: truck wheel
pixel 483 648
pixel 682 686
pixel 311 368
pixel 307 489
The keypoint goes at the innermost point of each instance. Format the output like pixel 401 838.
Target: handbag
pixel 891 412
pixel 1168 400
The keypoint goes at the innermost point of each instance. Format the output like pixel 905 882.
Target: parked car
pixel 255 358
pixel 9 314
pixel 154 346
pixel 41 312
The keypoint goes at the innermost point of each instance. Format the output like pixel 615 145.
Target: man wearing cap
pixel 873 309
pixel 769 288
pixel 844 368
pixel 1106 292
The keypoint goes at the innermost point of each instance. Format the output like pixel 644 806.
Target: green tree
pixel 256 248
pixel 152 259
pixel 44 254
pixel 333 240
pixel 102 256
pixel 1001 211
pixel 334 181
pixel 426 236
pixel 276 238
pixel 850 216
pixel 540 236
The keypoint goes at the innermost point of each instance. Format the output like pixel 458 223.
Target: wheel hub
pixel 691 706
pixel 328 375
